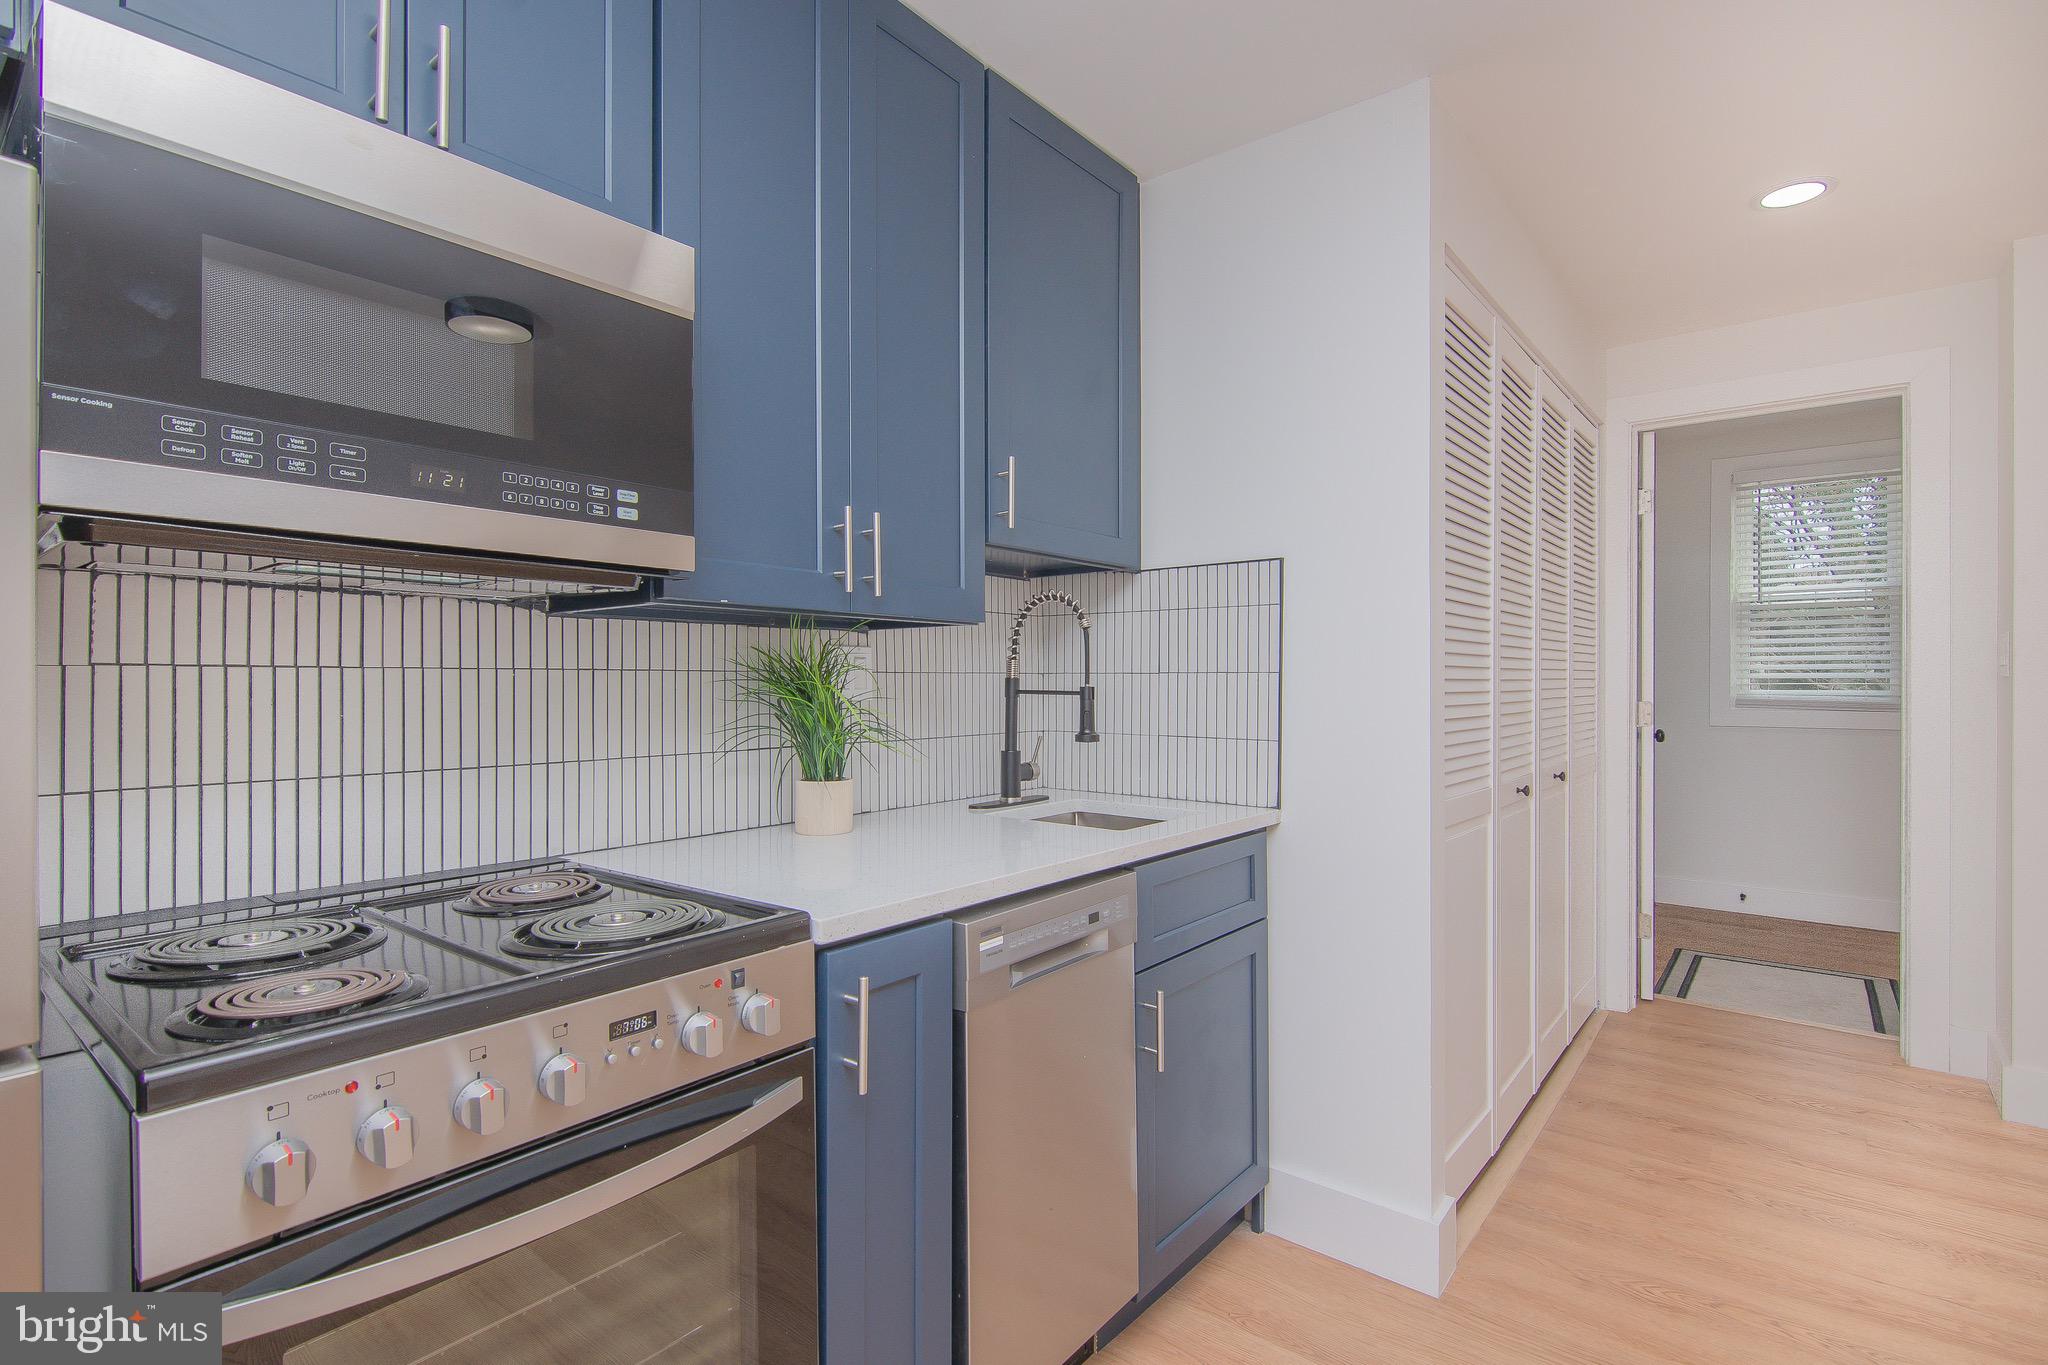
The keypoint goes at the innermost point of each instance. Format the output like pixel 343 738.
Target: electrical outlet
pixel 863 657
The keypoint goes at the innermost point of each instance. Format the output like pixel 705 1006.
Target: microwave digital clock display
pixel 429 476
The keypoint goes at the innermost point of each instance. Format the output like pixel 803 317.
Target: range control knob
pixel 703 1035
pixel 385 1138
pixel 562 1078
pixel 480 1106
pixel 280 1172
pixel 761 1013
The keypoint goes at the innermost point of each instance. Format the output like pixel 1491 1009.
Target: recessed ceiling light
pixel 1797 193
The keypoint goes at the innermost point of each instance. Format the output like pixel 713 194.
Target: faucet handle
pixel 1028 770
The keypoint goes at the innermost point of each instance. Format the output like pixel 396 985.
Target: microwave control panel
pixel 83 422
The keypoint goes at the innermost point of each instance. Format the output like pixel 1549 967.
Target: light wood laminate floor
pixel 1796 943
pixel 1713 1187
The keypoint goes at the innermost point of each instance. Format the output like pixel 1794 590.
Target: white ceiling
pixel 1632 137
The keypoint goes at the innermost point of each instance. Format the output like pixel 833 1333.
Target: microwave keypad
pixel 111 426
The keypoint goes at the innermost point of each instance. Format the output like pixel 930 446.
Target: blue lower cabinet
pixel 885 1148
pixel 1202 1132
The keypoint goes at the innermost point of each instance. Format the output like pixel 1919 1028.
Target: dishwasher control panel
pixel 1005 945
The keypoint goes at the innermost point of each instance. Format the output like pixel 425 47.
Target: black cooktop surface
pixel 182 1005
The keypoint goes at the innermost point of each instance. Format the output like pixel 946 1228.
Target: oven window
pixel 715 1266
pixel 286 326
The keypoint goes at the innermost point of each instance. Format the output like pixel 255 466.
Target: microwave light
pixel 492 321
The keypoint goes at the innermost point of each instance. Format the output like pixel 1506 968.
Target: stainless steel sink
pixel 1096 819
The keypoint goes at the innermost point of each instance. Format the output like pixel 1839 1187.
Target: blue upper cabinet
pixel 327 50
pixel 916 316
pixel 885 1148
pixel 558 93
pixel 748 181
pixel 1062 343
pixel 824 157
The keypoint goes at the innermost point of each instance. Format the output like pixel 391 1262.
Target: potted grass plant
pixel 802 694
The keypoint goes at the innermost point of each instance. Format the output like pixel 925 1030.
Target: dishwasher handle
pixel 1053 959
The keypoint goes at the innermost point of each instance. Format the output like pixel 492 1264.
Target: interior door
pixel 557 94
pixel 1464 797
pixel 1514 782
pixel 1553 744
pixel 1584 792
pixel 1646 721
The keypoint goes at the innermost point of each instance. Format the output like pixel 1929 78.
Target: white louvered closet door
pixel 1582 784
pixel 1553 744
pixel 1517 382
pixel 1463 805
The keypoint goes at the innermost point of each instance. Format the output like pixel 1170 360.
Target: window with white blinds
pixel 1814 585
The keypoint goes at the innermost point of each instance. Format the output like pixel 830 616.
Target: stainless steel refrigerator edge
pixel 1048 1084
pixel 21 1167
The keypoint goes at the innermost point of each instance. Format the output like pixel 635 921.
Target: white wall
pixel 1286 376
pixel 1962 321
pixel 2023 1035
pixel 1289 316
pixel 1804 822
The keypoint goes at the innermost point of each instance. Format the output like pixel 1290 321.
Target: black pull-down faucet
pixel 1015 770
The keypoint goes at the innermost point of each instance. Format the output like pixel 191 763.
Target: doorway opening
pixel 1773 572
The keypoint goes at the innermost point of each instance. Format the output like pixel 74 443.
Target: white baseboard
pixel 2023 1095
pixel 1969 1053
pixel 1814 907
pixel 1409 1250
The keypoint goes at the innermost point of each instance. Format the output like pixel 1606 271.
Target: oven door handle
pixel 288 1307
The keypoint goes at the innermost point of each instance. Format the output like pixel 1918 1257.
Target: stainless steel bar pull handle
pixel 1008 474
pixel 443 63
pixel 380 34
pixel 1157 1004
pixel 874 532
pixel 844 526
pixel 859 1061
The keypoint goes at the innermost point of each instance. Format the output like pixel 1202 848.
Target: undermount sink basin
pixel 1096 819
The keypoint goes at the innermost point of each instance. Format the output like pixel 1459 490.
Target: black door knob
pixel 1657 735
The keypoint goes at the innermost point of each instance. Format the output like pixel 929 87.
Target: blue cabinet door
pixel 324 49
pixel 13 25
pixel 885 1157
pixel 1062 341
pixel 748 179
pixel 558 93
pixel 1201 1096
pixel 916 317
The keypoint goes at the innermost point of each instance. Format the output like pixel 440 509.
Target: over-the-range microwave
pixel 264 317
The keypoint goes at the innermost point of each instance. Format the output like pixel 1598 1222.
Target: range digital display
pixel 626 1028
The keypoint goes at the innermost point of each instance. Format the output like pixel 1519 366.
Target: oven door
pixel 683 1233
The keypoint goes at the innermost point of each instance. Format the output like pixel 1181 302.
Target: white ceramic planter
pixel 824 807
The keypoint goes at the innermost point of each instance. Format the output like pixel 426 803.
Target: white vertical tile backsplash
pixel 202 740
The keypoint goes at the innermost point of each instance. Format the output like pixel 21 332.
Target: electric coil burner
pixel 225 953
pixel 539 891
pixel 589 931
pixel 292 999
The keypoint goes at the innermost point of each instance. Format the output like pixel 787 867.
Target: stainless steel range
pixel 444 1118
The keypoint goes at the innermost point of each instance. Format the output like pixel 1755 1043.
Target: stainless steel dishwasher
pixel 1049 1172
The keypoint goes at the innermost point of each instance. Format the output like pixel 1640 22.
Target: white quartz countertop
pixel 901 866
